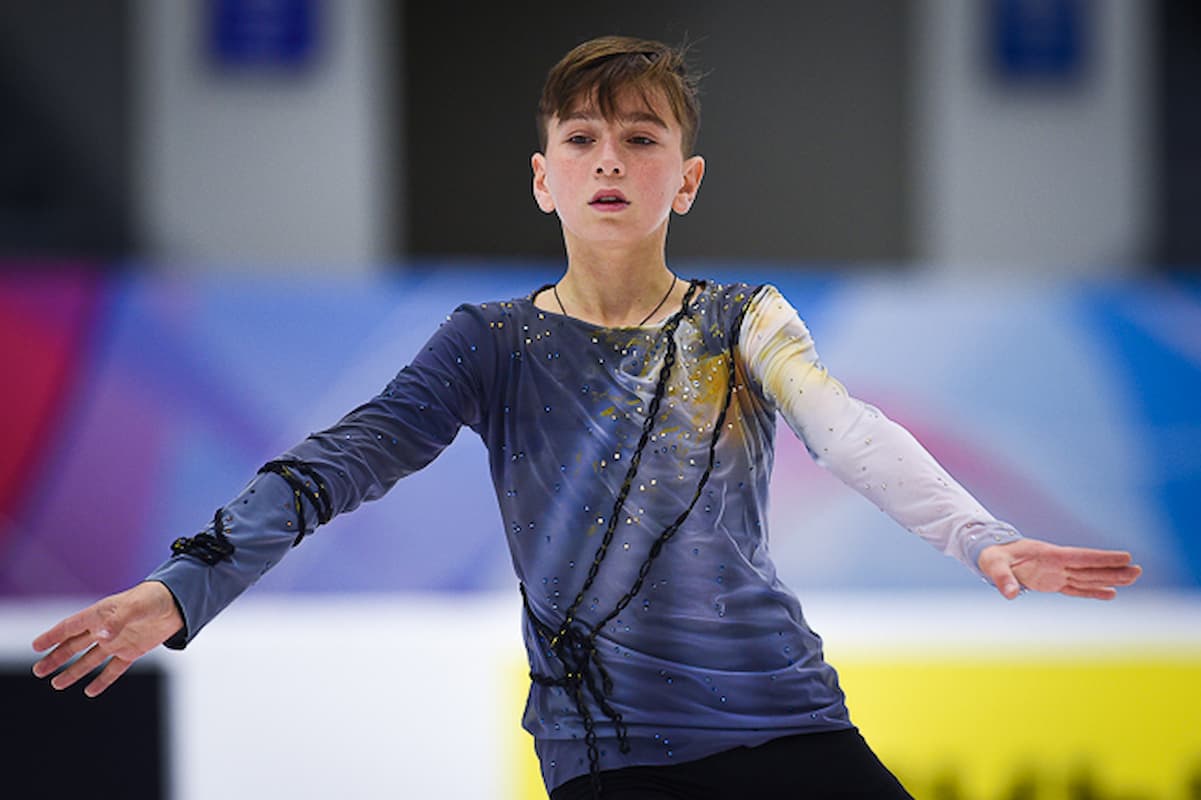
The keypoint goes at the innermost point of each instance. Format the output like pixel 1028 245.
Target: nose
pixel 608 160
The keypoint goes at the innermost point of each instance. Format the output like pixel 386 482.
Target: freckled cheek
pixel 659 194
pixel 658 183
pixel 560 190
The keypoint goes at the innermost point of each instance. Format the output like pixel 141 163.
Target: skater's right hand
pixel 121 628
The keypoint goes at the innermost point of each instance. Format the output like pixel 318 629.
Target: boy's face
pixel 616 180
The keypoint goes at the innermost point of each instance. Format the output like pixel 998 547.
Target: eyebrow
pixel 590 115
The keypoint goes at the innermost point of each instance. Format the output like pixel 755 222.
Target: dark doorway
pixel 805 125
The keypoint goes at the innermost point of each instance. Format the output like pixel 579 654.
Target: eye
pixel 579 138
pixel 641 140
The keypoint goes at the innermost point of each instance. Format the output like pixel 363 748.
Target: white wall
pixel 282 172
pixel 364 697
pixel 1028 179
pixel 420 695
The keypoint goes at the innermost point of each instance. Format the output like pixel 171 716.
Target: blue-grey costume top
pixel 713 652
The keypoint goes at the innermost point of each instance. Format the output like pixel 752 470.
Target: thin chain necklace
pixel 674 279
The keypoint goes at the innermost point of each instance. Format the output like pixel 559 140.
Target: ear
pixel 694 170
pixel 541 191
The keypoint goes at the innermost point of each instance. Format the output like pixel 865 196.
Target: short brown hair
pixel 603 68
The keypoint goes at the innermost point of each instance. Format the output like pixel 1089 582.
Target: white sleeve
pixel 855 441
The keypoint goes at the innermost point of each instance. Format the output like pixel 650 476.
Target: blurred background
pixel 224 223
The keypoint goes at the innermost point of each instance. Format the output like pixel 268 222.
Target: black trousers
pixel 811 766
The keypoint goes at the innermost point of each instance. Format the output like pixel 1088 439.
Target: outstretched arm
pixel 887 465
pixel 119 629
pixel 857 443
pixel 1045 567
pixel 401 430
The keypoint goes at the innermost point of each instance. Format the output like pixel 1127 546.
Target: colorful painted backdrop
pixel 133 406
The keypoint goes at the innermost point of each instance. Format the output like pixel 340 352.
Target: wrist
pixel 985 537
pixel 162 602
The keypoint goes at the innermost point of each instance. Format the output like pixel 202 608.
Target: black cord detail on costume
pixel 671 529
pixel 301 488
pixel 573 644
pixel 211 548
pixel 577 652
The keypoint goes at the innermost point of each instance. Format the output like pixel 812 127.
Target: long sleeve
pixel 399 431
pixel 857 442
pixel 260 525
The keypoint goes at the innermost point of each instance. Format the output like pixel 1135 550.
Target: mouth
pixel 608 199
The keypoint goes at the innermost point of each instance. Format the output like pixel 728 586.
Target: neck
pixel 615 286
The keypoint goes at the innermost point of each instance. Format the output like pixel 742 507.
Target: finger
pixel 1001 574
pixel 1081 557
pixel 1133 573
pixel 85 664
pixel 65 629
pixel 1105 576
pixel 114 669
pixel 1092 593
pixel 63 653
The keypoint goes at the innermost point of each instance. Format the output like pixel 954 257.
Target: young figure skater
pixel 629 417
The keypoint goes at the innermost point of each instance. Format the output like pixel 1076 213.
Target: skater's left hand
pixel 1045 567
